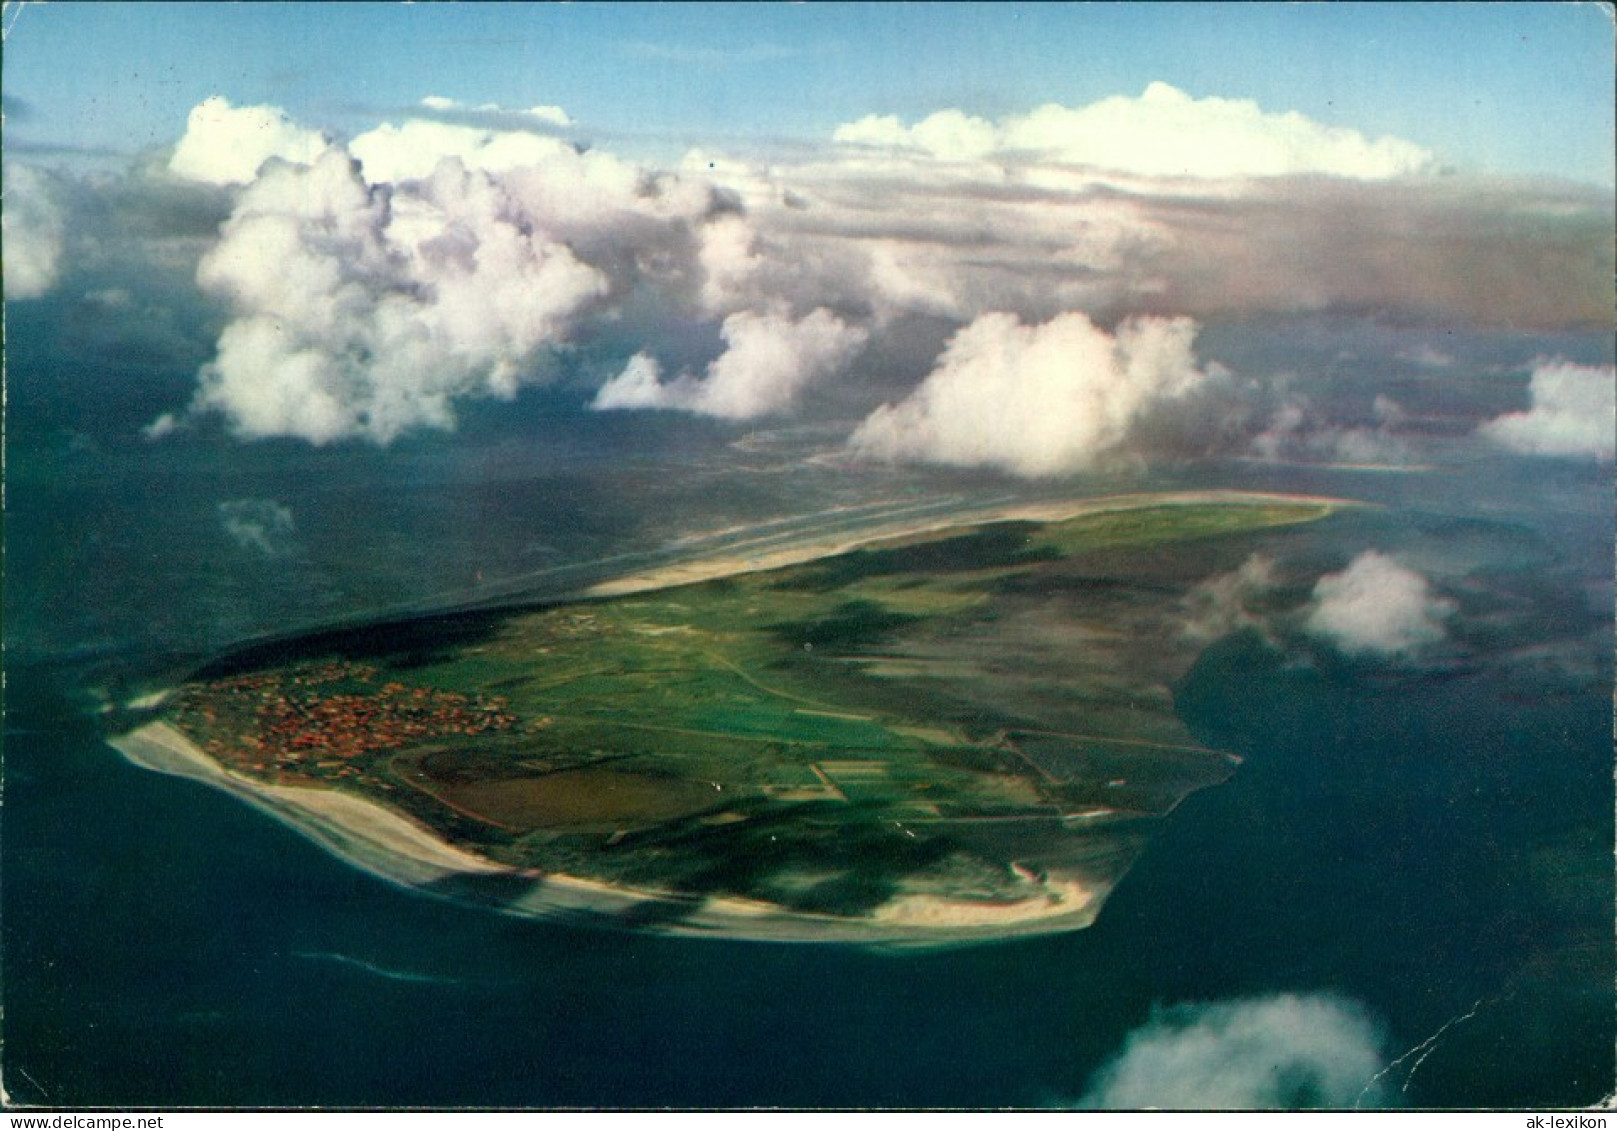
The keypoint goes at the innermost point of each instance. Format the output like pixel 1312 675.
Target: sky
pixel 1518 89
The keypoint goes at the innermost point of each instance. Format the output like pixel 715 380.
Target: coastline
pixel 343 823
pixel 714 569
pixel 391 846
pixel 396 849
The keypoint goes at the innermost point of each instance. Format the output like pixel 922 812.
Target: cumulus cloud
pixel 730 257
pixel 372 285
pixel 412 150
pixel 948 135
pixel 260 525
pixel 1293 434
pixel 32 228
pixel 226 145
pixel 1231 601
pixel 1573 413
pixel 1163 132
pixel 1035 400
pixel 1377 607
pixel 375 283
pixel 768 360
pixel 1288 1051
pixel 364 313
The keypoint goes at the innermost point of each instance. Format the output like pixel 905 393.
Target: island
pixel 926 734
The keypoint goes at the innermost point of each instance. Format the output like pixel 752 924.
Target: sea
pixel 1428 844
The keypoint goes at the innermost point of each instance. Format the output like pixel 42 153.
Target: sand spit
pixel 1060 510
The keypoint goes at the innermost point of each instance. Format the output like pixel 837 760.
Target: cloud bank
pixel 1377 607
pixel 1289 1051
pixel 1573 413
pixel 1035 400
pixel 767 362
pixel 371 285
pixel 1018 230
pixel 1162 133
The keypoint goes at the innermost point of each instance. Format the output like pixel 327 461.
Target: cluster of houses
pixel 294 724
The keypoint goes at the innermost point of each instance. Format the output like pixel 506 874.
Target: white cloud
pixel 638 386
pixel 554 115
pixel 430 261
pixel 165 425
pixel 262 525
pixel 730 259
pixel 1292 434
pixel 948 135
pixel 767 362
pixel 1163 133
pixel 485 242
pixel 1166 132
pixel 1035 400
pixel 1287 1051
pixel 226 145
pixel 1225 604
pixel 412 151
pixel 550 115
pixel 1573 413
pixel 1377 607
pixel 905 276
pixel 590 195
pixel 359 312
pixel 32 228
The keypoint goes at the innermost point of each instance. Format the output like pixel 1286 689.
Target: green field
pixel 953 714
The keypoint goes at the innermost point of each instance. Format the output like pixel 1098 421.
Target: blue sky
pixel 1499 88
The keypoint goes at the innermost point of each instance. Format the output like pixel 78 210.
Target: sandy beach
pixel 390 846
pixel 1061 510
pixel 351 826
pixel 1070 902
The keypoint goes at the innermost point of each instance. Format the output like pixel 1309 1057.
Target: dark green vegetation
pixel 965 715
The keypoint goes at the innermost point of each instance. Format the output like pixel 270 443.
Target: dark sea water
pixel 166 945
pixel 1432 842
